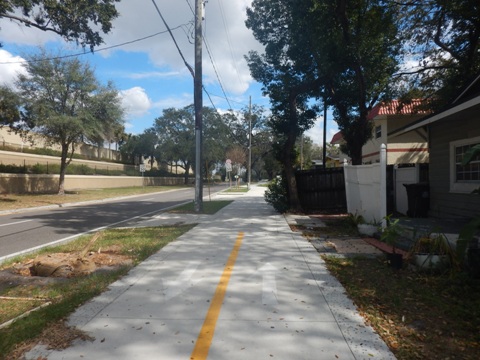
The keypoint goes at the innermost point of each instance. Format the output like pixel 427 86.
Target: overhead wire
pixel 174 40
pixel 228 40
pixel 96 50
pixel 169 30
pixel 212 61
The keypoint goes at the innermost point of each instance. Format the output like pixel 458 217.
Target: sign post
pixel 228 168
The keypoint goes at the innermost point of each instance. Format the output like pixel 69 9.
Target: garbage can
pixel 418 196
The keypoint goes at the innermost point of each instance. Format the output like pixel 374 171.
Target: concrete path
pixel 240 285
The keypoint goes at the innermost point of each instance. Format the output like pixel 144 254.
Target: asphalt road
pixel 26 231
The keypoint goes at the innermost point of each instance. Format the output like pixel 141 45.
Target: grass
pixel 66 296
pixel 18 201
pixel 209 207
pixel 236 189
pixel 419 315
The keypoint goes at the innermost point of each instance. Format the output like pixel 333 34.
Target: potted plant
pixel 432 252
pixel 368 229
pixel 390 235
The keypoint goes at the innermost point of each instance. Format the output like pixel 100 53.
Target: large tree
pixel 63 102
pixel 357 47
pixel 343 52
pixel 74 20
pixel 444 46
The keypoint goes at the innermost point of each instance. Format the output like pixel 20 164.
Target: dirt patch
pixel 58 267
pixel 57 336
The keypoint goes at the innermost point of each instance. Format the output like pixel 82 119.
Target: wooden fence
pixel 322 190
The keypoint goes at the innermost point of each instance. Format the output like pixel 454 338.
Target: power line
pixel 216 72
pixel 97 50
pixel 228 40
pixel 174 40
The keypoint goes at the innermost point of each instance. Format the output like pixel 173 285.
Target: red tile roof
pixel 394 107
pixel 337 138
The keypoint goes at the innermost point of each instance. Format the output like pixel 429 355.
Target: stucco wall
pixel 32 183
pixel 12 140
pixel 409 148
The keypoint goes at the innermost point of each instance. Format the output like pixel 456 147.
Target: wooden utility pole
pixel 324 133
pixel 250 142
pixel 198 104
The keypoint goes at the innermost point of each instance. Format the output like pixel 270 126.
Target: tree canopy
pixel 442 40
pixel 62 101
pixel 74 20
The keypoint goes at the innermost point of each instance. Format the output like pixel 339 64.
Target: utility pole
pixel 250 142
pixel 198 104
pixel 324 132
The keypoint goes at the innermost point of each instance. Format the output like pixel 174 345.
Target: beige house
pixel 408 148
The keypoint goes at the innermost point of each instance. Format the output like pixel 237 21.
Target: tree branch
pixel 29 23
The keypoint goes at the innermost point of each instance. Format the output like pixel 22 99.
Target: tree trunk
pixel 187 173
pixel 293 199
pixel 63 170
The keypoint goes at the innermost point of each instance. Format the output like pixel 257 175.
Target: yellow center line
pixel 205 337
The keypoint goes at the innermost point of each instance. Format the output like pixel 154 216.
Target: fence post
pixel 347 186
pixel 383 185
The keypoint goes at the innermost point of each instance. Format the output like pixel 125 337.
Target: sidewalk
pixel 240 285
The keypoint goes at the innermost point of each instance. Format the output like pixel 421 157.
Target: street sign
pixel 228 165
pixel 142 168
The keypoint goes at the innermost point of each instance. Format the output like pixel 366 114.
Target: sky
pixel 141 59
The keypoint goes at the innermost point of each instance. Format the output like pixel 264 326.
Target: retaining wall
pixel 34 183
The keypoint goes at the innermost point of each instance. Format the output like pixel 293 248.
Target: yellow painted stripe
pixel 205 337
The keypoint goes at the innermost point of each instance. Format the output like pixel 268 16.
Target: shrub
pixel 277 195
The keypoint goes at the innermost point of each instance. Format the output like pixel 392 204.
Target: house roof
pixel 394 107
pixel 337 138
pixel 467 99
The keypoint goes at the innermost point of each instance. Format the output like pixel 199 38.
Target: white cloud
pixel 10 67
pixel 135 101
pixel 176 102
pixel 151 74
pixel 316 132
pixel 224 27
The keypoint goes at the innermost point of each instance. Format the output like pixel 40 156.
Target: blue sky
pixel 150 73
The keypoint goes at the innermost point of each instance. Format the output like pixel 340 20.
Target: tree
pixel 72 20
pixel 63 102
pixel 141 146
pixel 347 57
pixel 9 106
pixel 238 156
pixel 285 85
pixel 106 106
pixel 443 37
pixel 176 136
pixel 262 138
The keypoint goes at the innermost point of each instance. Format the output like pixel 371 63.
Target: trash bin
pixel 418 196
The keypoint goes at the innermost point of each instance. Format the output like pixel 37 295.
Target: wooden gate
pixel 322 190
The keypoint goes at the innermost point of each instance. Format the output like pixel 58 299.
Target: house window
pixel 378 131
pixel 464 178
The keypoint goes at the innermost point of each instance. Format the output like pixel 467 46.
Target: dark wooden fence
pixel 322 190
